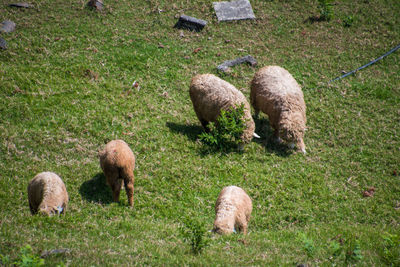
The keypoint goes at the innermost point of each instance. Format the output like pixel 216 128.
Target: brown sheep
pixel 210 95
pixel 276 93
pixel 232 211
pixel 47 194
pixel 118 162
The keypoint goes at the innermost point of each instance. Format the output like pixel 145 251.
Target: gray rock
pixel 234 10
pixel 47 253
pixel 3 43
pixel 230 63
pixel 20 5
pixel 97 4
pixel 190 23
pixel 7 26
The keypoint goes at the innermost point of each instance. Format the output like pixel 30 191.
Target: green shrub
pixel 226 132
pixel 28 259
pixel 348 21
pixel 325 9
pixel 194 233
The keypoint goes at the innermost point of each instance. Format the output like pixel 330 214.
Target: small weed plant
pixel 194 233
pixel 391 249
pixel 348 21
pixel 326 10
pixel 28 259
pixel 226 132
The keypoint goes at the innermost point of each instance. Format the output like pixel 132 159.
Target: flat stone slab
pixel 23 5
pixel 7 26
pixel 47 253
pixel 235 10
pixel 190 23
pixel 3 43
pixel 230 63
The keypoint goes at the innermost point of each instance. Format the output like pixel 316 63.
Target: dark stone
pixel 230 63
pixel 47 253
pixel 190 23
pixel 3 43
pixel 97 4
pixel 24 5
pixel 234 10
pixel 7 26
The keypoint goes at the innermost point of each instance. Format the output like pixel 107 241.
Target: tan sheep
pixel 275 92
pixel 232 211
pixel 118 162
pixel 210 94
pixel 47 194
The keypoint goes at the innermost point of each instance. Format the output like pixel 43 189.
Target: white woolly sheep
pixel 47 194
pixel 275 92
pixel 210 95
pixel 118 162
pixel 232 211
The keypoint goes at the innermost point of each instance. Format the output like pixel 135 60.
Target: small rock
pixel 369 192
pixel 47 253
pixel 230 63
pixel 97 4
pixel 3 43
pixel 7 26
pixel 20 5
pixel 190 23
pixel 197 50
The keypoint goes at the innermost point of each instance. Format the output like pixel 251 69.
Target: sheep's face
pixel 50 211
pixel 293 134
pixel 222 230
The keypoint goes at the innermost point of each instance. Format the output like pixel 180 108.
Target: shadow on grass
pixel 96 190
pixel 191 131
pixel 264 130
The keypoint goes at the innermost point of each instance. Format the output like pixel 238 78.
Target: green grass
pixel 66 90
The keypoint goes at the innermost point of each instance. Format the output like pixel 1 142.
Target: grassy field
pixel 66 90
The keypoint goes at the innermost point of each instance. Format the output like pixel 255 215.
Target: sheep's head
pixel 50 211
pixel 292 131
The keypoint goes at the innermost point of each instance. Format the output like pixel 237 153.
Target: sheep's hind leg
pixel 129 190
pixel 116 189
pixel 204 123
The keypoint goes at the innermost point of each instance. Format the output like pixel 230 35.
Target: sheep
pixel 232 211
pixel 210 94
pixel 118 162
pixel 275 92
pixel 47 194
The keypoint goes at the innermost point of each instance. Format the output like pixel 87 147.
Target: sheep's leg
pixel 32 209
pixel 242 224
pixel 204 123
pixel 276 135
pixel 129 189
pixel 256 112
pixel 116 189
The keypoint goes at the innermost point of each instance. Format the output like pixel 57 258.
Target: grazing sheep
pixel 118 162
pixel 232 211
pixel 47 194
pixel 276 93
pixel 210 94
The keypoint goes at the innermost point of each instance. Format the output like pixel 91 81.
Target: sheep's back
pixel 232 200
pixel 273 85
pixel 48 188
pixel 210 94
pixel 117 154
